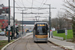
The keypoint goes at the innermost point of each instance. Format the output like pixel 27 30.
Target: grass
pixel 69 35
pixel 3 43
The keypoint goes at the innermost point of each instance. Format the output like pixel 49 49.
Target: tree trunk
pixel 73 31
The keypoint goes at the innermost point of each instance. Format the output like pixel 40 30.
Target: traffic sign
pixel 9 27
pixel 65 32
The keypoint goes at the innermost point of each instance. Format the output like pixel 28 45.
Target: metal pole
pixel 22 21
pixel 36 18
pixel 9 23
pixel 49 19
pixel 13 17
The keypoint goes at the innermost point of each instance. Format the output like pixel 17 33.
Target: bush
pixel 61 31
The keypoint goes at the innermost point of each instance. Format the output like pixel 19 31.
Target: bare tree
pixel 71 6
pixel 61 22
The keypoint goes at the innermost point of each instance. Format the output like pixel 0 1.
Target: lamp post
pixel 9 23
pixel 22 21
pixel 13 17
pixel 49 18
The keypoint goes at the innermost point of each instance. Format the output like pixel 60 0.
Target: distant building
pixel 4 10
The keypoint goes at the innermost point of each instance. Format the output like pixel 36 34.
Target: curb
pixel 60 45
pixel 10 43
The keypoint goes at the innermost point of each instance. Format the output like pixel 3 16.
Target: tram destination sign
pixel 41 25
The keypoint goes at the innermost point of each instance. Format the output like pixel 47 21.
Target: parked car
pixel 2 33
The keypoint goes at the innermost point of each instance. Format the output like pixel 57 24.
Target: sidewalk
pixel 65 44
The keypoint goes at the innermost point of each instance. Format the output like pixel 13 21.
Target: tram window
pixel 44 29
pixel 41 30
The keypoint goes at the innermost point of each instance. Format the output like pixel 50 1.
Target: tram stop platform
pixel 63 43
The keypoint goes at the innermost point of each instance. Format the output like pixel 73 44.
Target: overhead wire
pixel 20 2
pixel 23 4
pixel 32 5
pixel 44 2
pixel 17 4
pixel 41 3
pixel 37 1
pixel 40 6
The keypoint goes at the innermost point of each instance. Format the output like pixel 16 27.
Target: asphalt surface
pixel 27 43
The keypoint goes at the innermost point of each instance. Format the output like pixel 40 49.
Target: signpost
pixel 66 34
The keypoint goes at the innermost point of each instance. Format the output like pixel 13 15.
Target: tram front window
pixel 41 30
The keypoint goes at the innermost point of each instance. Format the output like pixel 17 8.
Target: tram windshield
pixel 41 30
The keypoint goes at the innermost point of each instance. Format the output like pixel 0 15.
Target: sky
pixel 34 3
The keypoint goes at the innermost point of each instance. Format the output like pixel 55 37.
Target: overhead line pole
pixel 49 18
pixel 13 17
pixel 22 21
pixel 9 23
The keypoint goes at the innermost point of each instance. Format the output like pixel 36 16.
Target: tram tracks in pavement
pixel 39 46
pixel 26 42
pixel 15 45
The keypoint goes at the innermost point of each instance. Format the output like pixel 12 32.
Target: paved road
pixel 26 43
pixel 3 38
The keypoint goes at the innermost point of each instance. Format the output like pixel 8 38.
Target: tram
pixel 40 32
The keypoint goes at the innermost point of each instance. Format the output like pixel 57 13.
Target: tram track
pixel 39 46
pixel 13 48
pixel 19 42
pixel 27 43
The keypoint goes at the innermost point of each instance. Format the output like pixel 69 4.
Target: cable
pixel 23 3
pixel 41 3
pixel 32 5
pixel 37 1
pixel 17 4
pixel 44 2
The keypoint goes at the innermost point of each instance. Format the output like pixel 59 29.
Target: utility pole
pixel 13 17
pixel 49 18
pixel 36 18
pixel 22 21
pixel 9 23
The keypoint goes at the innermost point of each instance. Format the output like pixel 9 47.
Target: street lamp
pixel 49 17
pixel 9 23
pixel 13 17
pixel 22 21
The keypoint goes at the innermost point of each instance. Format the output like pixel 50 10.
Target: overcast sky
pixel 36 3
